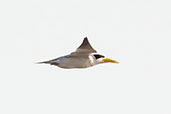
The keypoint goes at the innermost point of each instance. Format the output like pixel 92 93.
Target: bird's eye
pixel 97 56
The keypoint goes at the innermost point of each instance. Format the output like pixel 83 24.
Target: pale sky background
pixel 137 33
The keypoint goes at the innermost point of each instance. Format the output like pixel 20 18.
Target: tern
pixel 84 56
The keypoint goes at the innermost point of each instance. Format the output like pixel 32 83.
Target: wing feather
pixel 84 48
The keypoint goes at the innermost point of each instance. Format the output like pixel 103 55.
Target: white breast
pixel 92 60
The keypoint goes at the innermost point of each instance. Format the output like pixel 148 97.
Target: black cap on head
pixel 97 56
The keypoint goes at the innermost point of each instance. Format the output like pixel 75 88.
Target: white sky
pixel 137 33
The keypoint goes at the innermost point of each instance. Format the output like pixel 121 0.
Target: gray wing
pixel 85 48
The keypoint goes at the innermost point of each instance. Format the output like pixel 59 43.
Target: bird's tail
pixel 44 62
pixel 51 62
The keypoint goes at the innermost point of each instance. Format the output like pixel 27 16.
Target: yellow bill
pixel 110 60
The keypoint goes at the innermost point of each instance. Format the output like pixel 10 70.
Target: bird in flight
pixel 84 56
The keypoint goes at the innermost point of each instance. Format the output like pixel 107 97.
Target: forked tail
pixel 48 62
pixel 44 62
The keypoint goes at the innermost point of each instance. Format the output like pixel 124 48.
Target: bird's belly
pixel 74 63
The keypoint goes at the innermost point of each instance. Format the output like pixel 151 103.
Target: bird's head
pixel 102 59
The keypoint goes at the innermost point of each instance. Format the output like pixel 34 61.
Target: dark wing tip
pixel 86 45
pixel 85 41
pixel 85 38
